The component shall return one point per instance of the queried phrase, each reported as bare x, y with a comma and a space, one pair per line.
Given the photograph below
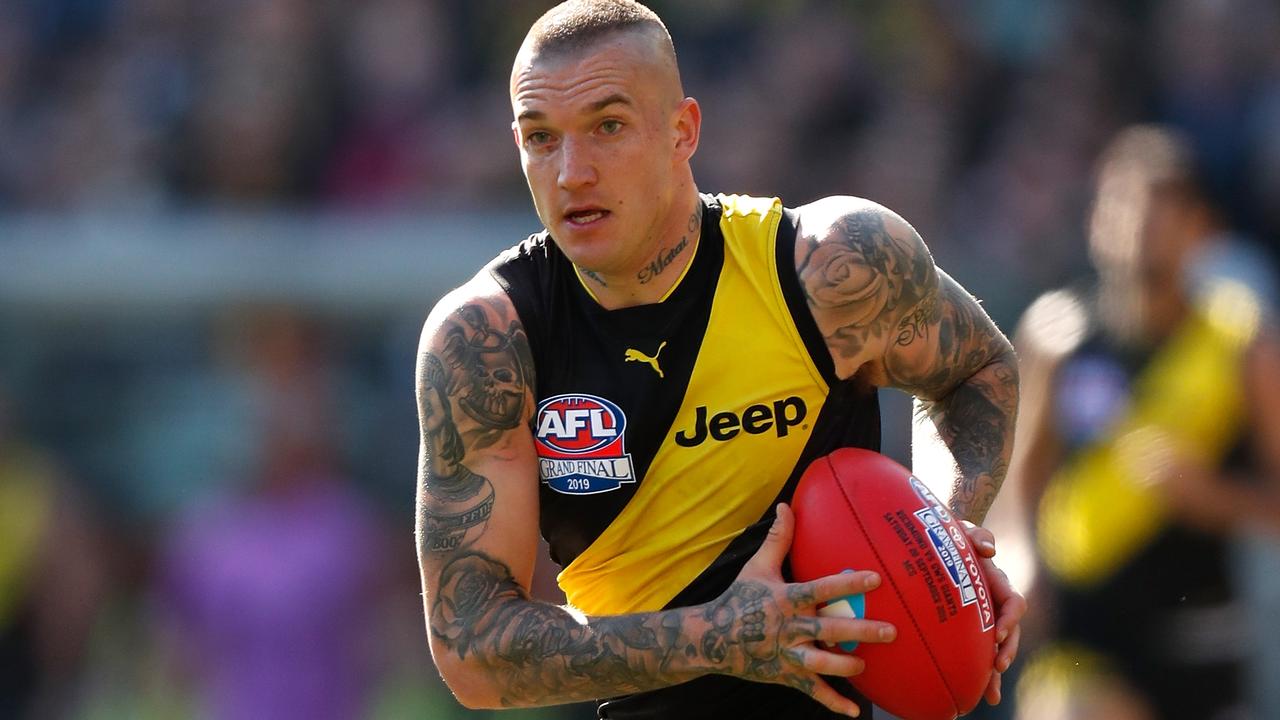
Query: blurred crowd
209, 514
979, 122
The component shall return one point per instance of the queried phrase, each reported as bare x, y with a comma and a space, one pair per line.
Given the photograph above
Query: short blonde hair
577, 24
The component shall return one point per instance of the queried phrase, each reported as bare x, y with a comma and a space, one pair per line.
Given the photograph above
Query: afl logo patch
579, 440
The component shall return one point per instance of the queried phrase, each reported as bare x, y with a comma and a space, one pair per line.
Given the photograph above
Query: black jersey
666, 433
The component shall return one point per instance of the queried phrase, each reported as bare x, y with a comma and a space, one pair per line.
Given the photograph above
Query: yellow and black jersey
666, 433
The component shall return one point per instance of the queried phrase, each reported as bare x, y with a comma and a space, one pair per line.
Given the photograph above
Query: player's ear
688, 128
515, 133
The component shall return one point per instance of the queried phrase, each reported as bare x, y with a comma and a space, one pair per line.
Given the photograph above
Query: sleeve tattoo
870, 286
540, 654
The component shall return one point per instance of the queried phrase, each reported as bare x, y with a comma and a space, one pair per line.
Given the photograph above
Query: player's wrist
687, 651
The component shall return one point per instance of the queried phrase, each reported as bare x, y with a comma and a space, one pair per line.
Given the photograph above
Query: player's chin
593, 248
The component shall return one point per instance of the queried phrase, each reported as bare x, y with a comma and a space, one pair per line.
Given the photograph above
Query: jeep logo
782, 416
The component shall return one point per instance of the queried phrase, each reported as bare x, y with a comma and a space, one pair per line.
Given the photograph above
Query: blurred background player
1151, 436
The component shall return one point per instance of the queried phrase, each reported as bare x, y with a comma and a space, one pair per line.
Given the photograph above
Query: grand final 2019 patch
580, 444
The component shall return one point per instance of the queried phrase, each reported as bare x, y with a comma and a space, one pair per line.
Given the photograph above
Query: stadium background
222, 223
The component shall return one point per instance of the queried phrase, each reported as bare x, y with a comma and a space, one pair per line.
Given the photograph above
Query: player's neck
657, 271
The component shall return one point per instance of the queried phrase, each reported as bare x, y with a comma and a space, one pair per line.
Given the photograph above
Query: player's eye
538, 138
611, 127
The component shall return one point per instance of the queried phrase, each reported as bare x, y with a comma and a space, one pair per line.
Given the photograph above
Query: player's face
597, 137
1169, 232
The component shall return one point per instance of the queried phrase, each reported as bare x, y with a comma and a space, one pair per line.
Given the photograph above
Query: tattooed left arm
891, 316
964, 375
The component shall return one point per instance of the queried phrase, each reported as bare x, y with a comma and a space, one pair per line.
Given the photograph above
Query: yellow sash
694, 500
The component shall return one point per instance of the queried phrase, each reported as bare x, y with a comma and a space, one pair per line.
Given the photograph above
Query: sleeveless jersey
667, 433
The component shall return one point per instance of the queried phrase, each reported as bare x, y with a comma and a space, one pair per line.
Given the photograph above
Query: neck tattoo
667, 255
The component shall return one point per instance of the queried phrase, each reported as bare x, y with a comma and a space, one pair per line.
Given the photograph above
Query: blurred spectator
394, 146
974, 122
273, 591
1150, 432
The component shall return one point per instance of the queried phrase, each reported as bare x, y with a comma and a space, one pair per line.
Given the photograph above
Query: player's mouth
585, 217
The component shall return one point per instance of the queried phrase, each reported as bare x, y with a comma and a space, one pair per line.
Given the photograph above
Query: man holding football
644, 382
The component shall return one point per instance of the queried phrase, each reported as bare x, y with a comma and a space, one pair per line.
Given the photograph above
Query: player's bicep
941, 342
477, 501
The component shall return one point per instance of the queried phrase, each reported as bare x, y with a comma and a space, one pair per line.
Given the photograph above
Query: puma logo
634, 355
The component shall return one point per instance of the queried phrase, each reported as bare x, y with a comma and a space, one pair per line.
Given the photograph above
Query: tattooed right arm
477, 510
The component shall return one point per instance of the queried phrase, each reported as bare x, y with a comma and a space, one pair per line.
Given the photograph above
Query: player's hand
1010, 606
767, 630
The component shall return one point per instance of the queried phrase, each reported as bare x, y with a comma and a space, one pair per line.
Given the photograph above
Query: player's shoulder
480, 304
538, 247
846, 242
841, 218
489, 291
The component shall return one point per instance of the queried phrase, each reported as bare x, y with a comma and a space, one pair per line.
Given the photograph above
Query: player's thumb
777, 543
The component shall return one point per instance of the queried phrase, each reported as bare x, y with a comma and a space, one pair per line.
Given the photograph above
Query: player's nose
577, 166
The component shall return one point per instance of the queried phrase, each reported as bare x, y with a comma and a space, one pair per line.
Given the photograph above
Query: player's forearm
976, 423
498, 648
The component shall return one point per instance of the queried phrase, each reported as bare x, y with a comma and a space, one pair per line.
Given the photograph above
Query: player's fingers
1012, 607
992, 693
833, 587
835, 630
1008, 649
768, 559
818, 689
825, 662
981, 538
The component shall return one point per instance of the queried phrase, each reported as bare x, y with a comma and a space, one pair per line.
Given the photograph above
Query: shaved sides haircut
577, 24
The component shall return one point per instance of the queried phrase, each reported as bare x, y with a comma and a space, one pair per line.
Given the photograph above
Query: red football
859, 510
